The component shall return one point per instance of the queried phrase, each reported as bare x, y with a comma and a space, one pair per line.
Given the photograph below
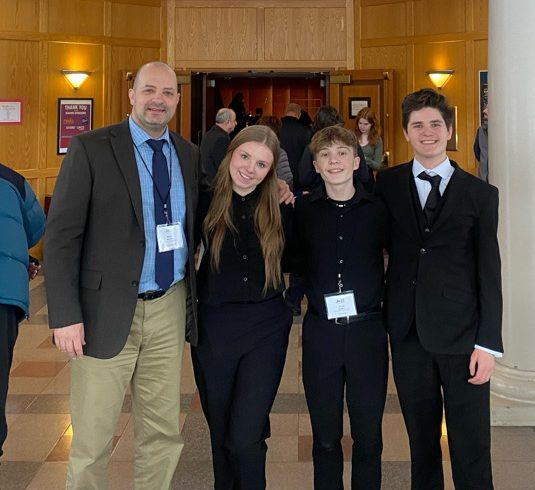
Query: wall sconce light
75, 78
440, 77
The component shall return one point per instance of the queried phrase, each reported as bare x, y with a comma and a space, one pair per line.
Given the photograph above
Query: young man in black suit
443, 299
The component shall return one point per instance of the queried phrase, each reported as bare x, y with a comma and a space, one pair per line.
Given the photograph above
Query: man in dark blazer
215, 142
294, 137
118, 284
443, 299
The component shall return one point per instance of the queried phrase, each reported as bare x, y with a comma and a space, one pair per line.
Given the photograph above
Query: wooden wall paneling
397, 58
281, 96
316, 34
441, 56
315, 96
50, 182
439, 17
481, 15
19, 15
20, 80
261, 95
123, 59
366, 3
298, 91
72, 56
215, 34
183, 116
225, 90
42, 133
135, 21
383, 21
79, 17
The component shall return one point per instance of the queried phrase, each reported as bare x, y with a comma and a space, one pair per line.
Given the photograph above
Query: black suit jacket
447, 281
213, 149
95, 242
294, 137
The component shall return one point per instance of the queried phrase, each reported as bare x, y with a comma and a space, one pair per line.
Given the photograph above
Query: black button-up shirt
241, 275
348, 239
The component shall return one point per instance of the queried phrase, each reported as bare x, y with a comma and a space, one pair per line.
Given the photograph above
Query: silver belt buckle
336, 322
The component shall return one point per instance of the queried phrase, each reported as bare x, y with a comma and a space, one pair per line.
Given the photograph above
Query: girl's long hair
375, 128
267, 216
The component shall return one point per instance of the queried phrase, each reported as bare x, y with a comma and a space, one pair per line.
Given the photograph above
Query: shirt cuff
490, 351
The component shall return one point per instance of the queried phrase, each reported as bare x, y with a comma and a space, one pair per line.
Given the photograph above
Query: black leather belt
345, 320
374, 313
150, 295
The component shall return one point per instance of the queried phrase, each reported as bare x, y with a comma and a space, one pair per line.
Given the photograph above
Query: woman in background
243, 320
368, 133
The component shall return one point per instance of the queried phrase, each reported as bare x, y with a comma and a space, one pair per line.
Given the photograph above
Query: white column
512, 170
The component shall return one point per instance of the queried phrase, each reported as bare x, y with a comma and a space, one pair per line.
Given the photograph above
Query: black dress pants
428, 383
353, 357
238, 366
9, 329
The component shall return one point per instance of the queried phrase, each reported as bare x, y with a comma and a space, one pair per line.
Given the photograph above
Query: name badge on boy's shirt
340, 304
170, 237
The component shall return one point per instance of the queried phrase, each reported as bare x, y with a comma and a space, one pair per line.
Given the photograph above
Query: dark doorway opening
267, 93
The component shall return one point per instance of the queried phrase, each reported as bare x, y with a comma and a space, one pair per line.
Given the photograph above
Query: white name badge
340, 304
170, 237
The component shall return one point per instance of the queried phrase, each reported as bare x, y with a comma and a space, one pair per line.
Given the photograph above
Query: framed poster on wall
356, 104
75, 116
10, 111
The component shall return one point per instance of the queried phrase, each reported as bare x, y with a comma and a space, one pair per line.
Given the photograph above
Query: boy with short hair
339, 235
443, 300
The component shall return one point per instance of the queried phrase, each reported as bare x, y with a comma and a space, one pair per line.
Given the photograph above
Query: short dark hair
326, 116
330, 135
426, 97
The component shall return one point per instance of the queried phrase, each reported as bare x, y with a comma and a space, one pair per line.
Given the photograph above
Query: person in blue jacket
22, 222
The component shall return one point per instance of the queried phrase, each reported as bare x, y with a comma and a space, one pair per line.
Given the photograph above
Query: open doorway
266, 93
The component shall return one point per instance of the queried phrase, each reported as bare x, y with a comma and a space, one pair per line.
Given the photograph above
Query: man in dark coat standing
443, 299
120, 276
294, 136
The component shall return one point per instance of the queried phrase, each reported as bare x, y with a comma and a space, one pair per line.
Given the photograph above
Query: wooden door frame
385, 80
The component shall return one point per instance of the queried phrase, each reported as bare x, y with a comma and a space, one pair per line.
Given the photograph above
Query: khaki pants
151, 362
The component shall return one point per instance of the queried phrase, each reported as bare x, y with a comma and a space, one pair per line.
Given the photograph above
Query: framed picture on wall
10, 111
356, 104
75, 116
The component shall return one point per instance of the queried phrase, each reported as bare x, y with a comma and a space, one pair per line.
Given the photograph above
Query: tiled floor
38, 414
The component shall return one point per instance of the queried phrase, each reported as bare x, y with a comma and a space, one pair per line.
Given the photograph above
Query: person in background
481, 146
22, 222
283, 166
338, 236
443, 298
326, 116
368, 133
294, 136
215, 142
120, 281
237, 104
305, 118
243, 320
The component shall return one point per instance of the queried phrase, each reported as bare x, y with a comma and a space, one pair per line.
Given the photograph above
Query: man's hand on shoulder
286, 196
481, 367
70, 339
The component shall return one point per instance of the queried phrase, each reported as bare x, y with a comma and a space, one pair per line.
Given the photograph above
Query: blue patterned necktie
164, 263
433, 197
